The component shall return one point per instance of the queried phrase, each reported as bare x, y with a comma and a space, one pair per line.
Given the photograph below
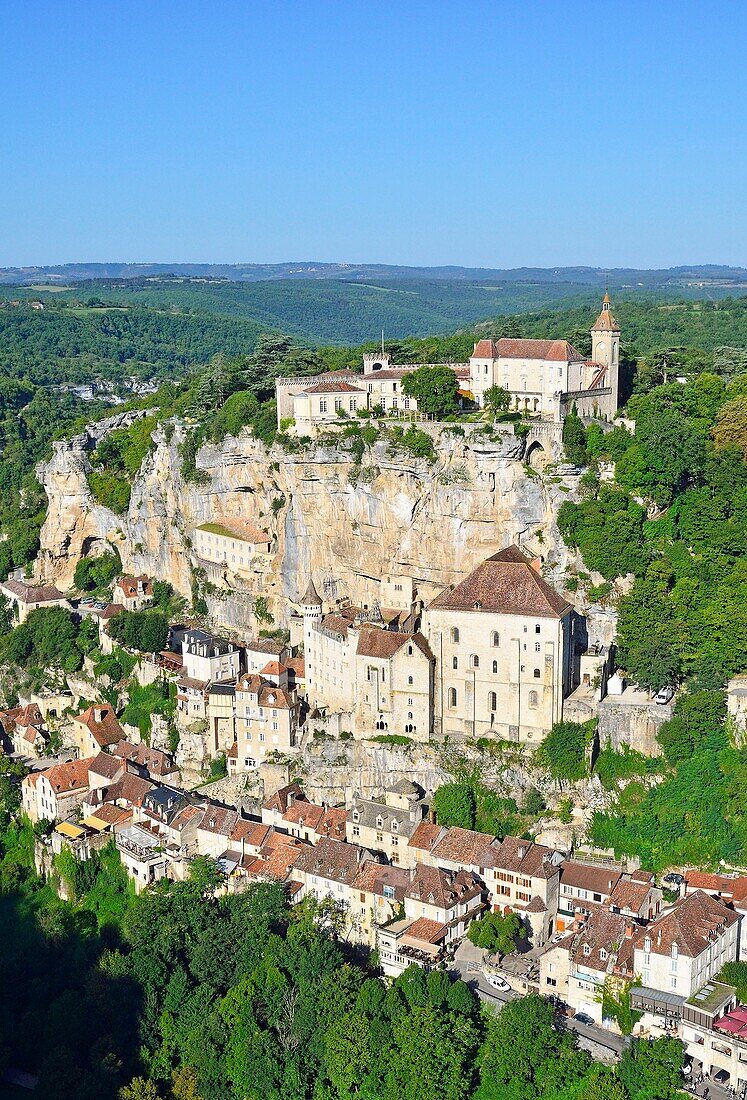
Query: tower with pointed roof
605, 345
311, 609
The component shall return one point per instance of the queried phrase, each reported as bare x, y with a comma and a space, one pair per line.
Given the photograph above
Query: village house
258, 652
310, 822
133, 593
326, 399
687, 945
327, 872
505, 646
56, 792
191, 699
377, 895
96, 728
25, 598
26, 730
207, 658
385, 825
588, 962
143, 854
268, 717
147, 762
231, 546
713, 1028
438, 907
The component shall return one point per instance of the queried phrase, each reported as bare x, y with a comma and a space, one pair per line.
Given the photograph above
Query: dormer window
477, 605
675, 951
356, 815
647, 944
602, 954
587, 949
395, 825
379, 822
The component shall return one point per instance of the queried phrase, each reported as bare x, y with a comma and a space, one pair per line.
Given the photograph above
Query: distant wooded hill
355, 306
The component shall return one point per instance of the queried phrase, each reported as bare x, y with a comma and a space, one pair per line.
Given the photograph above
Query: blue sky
494, 134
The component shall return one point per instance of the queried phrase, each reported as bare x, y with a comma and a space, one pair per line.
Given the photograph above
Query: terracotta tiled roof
372, 877
505, 584
253, 833
281, 799
331, 859
129, 586
463, 846
277, 862
297, 667
101, 722
28, 593
221, 820
334, 387
155, 761
556, 351
69, 777
598, 880
273, 668
269, 646
375, 642
426, 836
516, 854
690, 923
30, 715
333, 823
130, 788
105, 765
595, 943
335, 624
304, 813
441, 888
630, 896
606, 322
429, 931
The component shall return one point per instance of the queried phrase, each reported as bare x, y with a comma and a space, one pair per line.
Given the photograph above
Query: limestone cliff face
345, 524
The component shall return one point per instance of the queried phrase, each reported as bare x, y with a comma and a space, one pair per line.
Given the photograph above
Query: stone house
578, 967
385, 825
56, 792
394, 674
133, 593
231, 546
96, 728
505, 645
29, 734
25, 598
268, 717
206, 657
687, 945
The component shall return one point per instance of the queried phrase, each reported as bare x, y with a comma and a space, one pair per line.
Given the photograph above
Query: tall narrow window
452, 697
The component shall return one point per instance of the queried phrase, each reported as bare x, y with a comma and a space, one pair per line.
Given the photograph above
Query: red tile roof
505, 584
429, 931
690, 923
556, 351
64, 778
102, 724
129, 586
426, 836
375, 642
334, 387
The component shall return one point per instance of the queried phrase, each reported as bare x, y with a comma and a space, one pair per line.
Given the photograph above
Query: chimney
98, 714
536, 565
628, 931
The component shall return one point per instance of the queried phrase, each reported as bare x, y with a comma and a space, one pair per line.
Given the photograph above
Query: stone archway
536, 456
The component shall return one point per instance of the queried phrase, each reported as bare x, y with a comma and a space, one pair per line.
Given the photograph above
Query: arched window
537, 647
495, 638
474, 661
537, 674
409, 651
410, 680
452, 697
492, 702
495, 666
409, 714
455, 662
455, 633
533, 699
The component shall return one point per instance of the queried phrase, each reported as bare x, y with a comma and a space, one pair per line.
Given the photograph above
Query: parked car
664, 695
673, 879
498, 983
584, 1018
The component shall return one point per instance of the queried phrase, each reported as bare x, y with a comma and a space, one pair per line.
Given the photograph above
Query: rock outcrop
347, 524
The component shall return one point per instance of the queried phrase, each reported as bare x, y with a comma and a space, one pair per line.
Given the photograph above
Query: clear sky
492, 133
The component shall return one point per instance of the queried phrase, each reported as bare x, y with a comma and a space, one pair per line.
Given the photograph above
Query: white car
498, 983
665, 695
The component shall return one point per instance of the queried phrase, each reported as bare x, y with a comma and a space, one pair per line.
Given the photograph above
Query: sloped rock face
346, 524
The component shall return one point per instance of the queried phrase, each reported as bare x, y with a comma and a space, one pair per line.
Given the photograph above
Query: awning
420, 945
68, 829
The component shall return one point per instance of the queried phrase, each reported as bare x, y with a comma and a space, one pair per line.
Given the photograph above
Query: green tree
498, 933
574, 439
652, 1070
496, 399
434, 388
454, 804
564, 750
